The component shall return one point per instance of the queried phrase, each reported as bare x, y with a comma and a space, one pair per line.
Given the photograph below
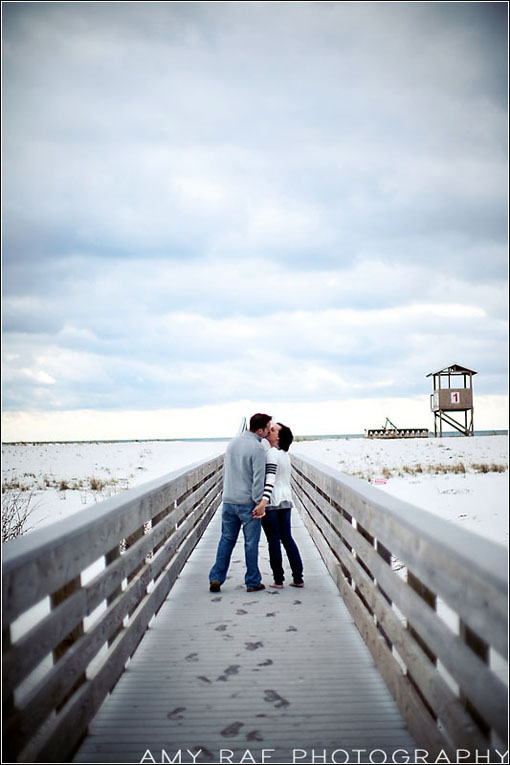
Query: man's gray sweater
244, 470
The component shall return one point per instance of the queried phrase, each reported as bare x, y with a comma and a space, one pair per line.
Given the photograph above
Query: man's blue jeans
233, 518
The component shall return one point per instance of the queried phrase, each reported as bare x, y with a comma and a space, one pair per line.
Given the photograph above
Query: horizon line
450, 433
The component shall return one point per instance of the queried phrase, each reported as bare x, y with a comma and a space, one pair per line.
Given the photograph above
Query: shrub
438, 469
16, 509
96, 484
485, 468
14, 485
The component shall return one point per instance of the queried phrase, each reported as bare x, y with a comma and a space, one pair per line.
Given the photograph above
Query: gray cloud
192, 190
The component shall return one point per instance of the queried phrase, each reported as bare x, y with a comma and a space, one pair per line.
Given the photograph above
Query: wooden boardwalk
284, 671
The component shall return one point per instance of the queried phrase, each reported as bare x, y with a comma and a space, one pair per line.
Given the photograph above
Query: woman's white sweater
277, 484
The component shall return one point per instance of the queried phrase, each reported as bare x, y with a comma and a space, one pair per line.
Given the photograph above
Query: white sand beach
64, 478
464, 480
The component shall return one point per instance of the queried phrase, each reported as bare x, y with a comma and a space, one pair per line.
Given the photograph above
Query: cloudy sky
214, 208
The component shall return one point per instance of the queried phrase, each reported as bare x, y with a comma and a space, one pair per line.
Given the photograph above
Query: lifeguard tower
452, 392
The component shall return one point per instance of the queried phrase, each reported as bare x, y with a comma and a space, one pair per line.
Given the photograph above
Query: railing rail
86, 589
429, 598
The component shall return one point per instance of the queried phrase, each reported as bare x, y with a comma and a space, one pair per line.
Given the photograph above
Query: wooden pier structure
114, 650
389, 430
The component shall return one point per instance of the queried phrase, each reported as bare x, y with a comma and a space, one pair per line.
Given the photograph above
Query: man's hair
285, 437
259, 421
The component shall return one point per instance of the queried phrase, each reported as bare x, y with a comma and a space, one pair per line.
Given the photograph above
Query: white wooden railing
430, 600
78, 597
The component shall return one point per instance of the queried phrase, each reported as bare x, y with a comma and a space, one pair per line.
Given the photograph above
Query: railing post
8, 705
371, 540
430, 599
481, 649
110, 558
385, 554
11, 735
75, 634
130, 541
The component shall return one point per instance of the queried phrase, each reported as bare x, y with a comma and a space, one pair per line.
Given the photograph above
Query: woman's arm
271, 470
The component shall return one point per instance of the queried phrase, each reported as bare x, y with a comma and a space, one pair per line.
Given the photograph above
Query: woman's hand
260, 510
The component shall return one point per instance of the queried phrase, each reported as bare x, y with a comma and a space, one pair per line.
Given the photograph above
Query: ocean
317, 437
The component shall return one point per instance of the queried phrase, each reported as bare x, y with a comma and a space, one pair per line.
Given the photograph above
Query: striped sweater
277, 482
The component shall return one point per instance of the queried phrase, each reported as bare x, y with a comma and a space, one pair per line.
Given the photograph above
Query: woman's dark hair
285, 437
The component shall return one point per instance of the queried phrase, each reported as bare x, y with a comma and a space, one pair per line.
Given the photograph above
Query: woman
277, 501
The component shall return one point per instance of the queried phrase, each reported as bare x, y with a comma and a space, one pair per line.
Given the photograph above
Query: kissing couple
257, 494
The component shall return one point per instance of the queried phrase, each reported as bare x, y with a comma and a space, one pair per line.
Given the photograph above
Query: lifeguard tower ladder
448, 396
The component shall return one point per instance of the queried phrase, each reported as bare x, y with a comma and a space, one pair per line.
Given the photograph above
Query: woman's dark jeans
276, 525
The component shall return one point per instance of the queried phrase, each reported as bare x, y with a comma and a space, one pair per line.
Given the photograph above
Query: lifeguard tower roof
453, 369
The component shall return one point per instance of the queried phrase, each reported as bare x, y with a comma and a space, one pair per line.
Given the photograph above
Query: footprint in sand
274, 698
175, 714
232, 730
254, 646
232, 670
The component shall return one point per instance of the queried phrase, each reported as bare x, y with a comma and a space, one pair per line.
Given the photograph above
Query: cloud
185, 358
209, 201
278, 110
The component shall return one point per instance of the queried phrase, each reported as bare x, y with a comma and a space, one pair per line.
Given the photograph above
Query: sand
442, 475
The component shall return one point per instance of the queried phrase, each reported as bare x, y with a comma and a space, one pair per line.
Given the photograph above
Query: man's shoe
297, 584
214, 586
256, 589
278, 586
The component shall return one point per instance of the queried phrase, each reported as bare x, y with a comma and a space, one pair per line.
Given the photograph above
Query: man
243, 486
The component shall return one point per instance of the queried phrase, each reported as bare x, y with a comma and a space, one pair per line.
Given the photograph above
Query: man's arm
258, 462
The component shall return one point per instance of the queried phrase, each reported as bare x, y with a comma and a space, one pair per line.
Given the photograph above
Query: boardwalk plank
278, 669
